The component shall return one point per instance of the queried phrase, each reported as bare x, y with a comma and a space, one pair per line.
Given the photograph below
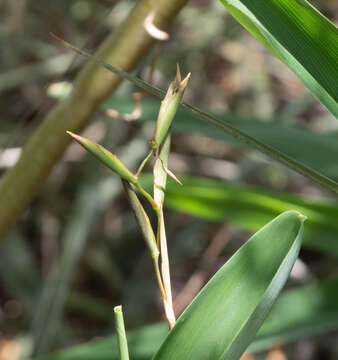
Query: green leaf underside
250, 208
300, 36
225, 316
295, 142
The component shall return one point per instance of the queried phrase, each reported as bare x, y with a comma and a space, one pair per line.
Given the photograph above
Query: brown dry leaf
9, 349
276, 354
247, 356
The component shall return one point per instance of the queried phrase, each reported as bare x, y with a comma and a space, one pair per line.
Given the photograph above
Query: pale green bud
169, 108
106, 157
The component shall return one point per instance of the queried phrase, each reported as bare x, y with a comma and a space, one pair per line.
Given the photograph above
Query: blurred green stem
124, 48
121, 333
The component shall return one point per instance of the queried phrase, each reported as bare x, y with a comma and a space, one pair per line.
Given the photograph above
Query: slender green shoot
161, 149
121, 333
147, 231
139, 170
142, 219
147, 196
160, 181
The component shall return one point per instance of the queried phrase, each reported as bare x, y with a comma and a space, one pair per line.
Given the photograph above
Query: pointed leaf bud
169, 108
106, 157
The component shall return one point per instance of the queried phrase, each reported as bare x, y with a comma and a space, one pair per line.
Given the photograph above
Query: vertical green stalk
161, 149
147, 231
121, 333
160, 180
161, 146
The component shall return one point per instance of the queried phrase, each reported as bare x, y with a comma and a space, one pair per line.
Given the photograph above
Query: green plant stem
241, 136
165, 270
121, 333
125, 47
147, 196
147, 232
159, 277
142, 219
139, 170
160, 180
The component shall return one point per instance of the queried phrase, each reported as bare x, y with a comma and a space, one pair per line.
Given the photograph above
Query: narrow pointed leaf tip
169, 108
106, 157
225, 316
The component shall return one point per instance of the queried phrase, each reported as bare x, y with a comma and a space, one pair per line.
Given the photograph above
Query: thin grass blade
251, 141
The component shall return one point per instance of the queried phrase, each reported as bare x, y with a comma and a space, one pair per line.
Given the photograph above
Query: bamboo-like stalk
124, 48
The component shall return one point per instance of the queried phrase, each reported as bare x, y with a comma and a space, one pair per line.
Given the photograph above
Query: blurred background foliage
77, 252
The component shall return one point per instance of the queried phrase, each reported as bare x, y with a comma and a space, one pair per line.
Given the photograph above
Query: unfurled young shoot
169, 107
106, 157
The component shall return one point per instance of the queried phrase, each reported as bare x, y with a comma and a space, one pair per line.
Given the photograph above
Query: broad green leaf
298, 313
296, 142
223, 126
250, 208
225, 316
300, 36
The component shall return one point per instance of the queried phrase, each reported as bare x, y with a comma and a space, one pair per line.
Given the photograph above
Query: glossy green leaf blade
300, 36
298, 313
250, 208
225, 316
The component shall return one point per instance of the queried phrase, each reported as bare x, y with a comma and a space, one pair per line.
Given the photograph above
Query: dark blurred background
81, 212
